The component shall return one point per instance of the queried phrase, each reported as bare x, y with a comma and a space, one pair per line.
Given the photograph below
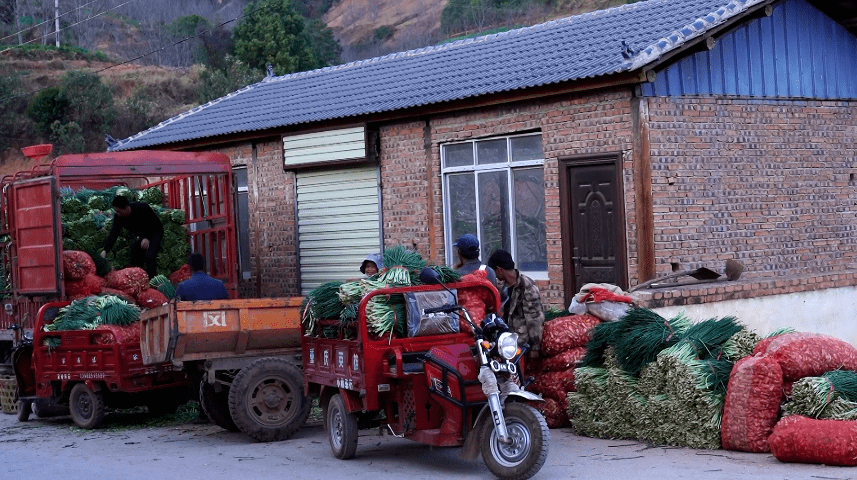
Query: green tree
273, 32
325, 47
46, 107
233, 76
89, 106
12, 103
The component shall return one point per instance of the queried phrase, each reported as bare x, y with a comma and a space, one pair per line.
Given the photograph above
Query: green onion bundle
601, 337
324, 300
385, 316
351, 292
115, 311
80, 314
158, 280
168, 289
399, 262
830, 396
702, 339
642, 335
740, 345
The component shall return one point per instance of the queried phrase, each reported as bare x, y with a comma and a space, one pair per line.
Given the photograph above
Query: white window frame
509, 167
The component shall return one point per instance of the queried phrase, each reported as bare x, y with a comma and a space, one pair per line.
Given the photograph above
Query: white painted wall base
831, 312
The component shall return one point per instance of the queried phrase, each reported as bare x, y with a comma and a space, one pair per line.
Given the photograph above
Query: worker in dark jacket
523, 310
467, 247
139, 219
200, 286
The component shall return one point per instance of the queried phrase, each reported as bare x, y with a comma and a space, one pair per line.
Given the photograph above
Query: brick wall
771, 183
273, 247
412, 190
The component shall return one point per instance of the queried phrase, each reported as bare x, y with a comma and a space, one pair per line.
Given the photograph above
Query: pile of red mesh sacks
130, 284
563, 346
758, 385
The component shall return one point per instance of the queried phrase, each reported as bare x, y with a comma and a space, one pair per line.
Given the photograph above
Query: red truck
93, 369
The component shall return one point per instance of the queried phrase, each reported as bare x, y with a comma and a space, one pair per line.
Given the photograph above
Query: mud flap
470, 450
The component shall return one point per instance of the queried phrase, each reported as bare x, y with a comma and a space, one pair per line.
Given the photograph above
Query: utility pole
57, 20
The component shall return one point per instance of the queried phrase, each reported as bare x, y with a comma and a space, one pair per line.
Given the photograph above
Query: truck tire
216, 406
25, 408
87, 407
341, 429
267, 399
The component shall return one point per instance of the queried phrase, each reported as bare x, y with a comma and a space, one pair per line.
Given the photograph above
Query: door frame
566, 163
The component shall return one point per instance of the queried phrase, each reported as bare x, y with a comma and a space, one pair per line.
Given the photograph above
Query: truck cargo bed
189, 331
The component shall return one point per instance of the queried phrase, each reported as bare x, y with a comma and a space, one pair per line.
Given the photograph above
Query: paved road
53, 448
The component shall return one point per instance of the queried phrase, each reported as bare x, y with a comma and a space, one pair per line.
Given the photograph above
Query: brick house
615, 146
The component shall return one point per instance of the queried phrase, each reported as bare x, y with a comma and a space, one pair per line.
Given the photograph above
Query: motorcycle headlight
507, 345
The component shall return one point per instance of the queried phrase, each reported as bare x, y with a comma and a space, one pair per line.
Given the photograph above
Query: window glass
462, 204
491, 151
500, 198
530, 219
494, 211
458, 155
526, 148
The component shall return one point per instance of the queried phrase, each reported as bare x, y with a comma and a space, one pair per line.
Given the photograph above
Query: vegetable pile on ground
658, 380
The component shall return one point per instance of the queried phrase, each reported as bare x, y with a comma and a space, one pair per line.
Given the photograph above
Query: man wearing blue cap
468, 257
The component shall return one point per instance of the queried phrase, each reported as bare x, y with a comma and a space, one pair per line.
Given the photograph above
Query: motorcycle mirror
429, 276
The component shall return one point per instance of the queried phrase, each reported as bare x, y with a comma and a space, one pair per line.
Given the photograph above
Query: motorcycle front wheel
524, 456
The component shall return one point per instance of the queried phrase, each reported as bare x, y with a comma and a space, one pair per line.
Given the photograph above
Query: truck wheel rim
336, 429
515, 452
271, 402
84, 406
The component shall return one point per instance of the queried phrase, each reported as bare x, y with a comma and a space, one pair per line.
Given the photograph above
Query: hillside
364, 28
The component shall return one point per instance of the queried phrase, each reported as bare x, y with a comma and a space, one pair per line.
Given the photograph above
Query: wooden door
593, 223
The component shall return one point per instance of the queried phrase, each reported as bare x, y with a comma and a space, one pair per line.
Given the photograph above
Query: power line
257, 9
46, 21
72, 25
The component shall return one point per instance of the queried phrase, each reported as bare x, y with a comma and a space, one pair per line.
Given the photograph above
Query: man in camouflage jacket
523, 309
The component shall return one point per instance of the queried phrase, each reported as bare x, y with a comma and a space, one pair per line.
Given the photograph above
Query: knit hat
374, 258
502, 259
468, 245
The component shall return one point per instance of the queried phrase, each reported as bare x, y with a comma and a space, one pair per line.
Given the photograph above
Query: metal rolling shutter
338, 223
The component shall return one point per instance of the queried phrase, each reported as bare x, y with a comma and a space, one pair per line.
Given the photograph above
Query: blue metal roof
603, 42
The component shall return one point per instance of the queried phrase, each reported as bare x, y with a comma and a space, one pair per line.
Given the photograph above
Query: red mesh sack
563, 333
131, 280
77, 264
118, 293
477, 301
555, 413
553, 384
151, 298
110, 334
564, 360
180, 275
88, 285
811, 354
765, 344
808, 440
753, 397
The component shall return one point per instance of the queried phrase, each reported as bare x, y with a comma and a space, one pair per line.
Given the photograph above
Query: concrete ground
55, 448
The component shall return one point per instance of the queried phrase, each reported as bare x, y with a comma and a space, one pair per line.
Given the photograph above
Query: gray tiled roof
571, 48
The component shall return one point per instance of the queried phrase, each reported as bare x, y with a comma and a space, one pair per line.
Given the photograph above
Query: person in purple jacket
200, 286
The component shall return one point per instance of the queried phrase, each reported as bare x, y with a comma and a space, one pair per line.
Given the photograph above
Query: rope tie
830, 391
672, 333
